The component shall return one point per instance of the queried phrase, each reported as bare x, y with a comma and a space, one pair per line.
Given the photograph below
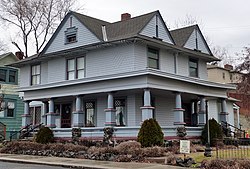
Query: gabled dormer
156, 28
191, 37
75, 30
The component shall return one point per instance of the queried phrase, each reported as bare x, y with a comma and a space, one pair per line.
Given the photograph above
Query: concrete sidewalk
81, 163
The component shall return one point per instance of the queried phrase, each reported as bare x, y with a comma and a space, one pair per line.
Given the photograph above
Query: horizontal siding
164, 110
166, 61
101, 106
25, 76
140, 53
138, 105
213, 109
84, 37
203, 70
44, 73
131, 115
183, 65
110, 61
230, 113
56, 70
150, 30
191, 43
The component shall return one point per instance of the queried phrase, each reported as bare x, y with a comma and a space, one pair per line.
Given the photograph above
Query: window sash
76, 68
3, 74
153, 58
35, 74
12, 76
193, 68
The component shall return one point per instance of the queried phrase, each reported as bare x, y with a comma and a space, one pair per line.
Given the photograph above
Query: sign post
184, 147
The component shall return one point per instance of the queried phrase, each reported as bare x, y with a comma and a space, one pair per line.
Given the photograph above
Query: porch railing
2, 131
237, 133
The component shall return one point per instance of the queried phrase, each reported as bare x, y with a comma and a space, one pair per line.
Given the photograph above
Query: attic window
71, 35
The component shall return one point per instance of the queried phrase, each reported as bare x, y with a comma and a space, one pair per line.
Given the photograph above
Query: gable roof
128, 28
8, 54
93, 24
181, 35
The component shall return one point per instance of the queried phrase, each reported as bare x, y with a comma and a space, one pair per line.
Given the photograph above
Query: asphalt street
7, 165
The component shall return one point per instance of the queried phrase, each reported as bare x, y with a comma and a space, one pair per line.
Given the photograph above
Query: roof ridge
77, 13
186, 27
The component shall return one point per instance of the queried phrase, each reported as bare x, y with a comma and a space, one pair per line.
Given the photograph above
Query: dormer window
71, 35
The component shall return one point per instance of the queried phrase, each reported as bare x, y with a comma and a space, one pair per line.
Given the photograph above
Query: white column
178, 111
78, 114
147, 109
224, 112
26, 117
51, 115
202, 112
45, 111
110, 111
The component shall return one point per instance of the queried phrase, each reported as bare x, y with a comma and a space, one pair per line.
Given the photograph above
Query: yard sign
185, 146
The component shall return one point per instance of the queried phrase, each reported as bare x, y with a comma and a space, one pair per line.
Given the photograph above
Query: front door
66, 116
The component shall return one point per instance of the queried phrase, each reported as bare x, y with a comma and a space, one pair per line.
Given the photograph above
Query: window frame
76, 70
69, 33
7, 75
94, 113
5, 111
151, 58
196, 61
35, 75
125, 111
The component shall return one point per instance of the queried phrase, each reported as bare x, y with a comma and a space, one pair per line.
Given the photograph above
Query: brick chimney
125, 16
229, 67
19, 55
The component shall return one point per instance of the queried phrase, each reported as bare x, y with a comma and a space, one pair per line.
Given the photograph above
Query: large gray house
93, 74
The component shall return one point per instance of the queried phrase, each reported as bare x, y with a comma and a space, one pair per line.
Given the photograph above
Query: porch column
51, 115
147, 109
224, 112
202, 112
45, 111
178, 111
78, 114
110, 111
26, 117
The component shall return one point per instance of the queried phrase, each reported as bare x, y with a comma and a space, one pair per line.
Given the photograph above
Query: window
120, 106
35, 74
8, 108
193, 67
8, 75
90, 114
71, 35
75, 68
35, 113
153, 58
223, 75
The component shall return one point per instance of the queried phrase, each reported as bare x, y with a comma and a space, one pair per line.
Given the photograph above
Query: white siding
166, 61
202, 70
213, 109
57, 70
138, 105
101, 105
25, 76
164, 110
191, 42
150, 30
183, 65
230, 112
84, 37
140, 52
131, 115
110, 61
44, 73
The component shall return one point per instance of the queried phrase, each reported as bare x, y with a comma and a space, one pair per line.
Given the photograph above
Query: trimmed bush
45, 136
150, 134
215, 131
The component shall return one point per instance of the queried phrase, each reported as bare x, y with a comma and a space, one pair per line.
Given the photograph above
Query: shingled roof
181, 35
93, 24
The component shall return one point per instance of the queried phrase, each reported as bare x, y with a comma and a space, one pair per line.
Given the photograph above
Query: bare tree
222, 54
187, 21
35, 19
3, 47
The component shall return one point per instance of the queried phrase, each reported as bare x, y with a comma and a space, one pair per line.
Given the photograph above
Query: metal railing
237, 133
2, 131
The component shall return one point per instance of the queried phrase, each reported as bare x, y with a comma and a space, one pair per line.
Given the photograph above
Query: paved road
7, 165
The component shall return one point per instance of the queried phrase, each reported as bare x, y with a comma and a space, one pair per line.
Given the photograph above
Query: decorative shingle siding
150, 30
84, 37
191, 42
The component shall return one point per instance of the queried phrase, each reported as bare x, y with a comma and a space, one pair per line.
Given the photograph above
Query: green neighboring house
11, 106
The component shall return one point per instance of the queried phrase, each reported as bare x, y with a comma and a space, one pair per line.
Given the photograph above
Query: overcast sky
225, 22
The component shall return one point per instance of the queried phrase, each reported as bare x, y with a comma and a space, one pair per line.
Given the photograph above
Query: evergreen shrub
45, 136
215, 131
150, 134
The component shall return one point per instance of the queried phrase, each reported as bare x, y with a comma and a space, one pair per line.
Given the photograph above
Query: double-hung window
35, 74
75, 68
8, 108
8, 75
193, 67
120, 107
153, 58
